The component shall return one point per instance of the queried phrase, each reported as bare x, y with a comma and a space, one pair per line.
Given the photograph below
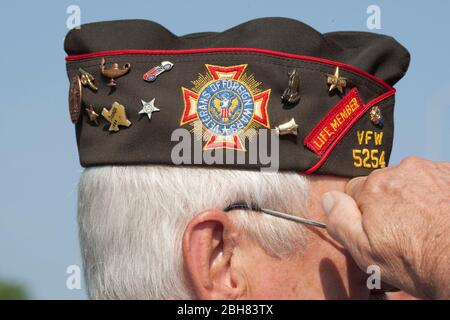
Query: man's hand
399, 219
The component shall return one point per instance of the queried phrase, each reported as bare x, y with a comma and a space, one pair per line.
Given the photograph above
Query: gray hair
132, 220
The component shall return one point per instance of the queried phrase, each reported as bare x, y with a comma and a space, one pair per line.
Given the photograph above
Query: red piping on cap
217, 50
318, 164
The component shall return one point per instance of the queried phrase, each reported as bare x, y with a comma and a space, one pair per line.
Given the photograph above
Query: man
141, 241
147, 243
154, 203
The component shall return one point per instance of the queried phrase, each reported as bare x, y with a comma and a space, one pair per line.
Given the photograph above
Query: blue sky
39, 162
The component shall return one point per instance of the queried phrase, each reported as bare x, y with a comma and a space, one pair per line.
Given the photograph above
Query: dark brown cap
328, 97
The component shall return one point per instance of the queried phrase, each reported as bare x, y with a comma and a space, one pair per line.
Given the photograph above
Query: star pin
92, 115
148, 108
116, 116
336, 82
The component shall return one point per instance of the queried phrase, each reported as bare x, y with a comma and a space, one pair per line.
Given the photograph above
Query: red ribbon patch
335, 123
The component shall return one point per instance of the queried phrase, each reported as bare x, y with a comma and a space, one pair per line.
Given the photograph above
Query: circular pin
376, 116
75, 95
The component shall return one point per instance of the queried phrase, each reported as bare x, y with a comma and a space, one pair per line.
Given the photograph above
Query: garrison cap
329, 97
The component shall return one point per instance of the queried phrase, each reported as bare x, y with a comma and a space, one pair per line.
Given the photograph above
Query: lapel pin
376, 116
292, 93
154, 72
114, 71
92, 115
116, 116
336, 81
87, 79
148, 108
286, 128
75, 98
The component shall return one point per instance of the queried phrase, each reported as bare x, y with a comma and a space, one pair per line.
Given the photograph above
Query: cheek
323, 271
351, 278
328, 272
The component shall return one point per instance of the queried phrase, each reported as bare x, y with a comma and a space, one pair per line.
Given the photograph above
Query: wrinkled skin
398, 218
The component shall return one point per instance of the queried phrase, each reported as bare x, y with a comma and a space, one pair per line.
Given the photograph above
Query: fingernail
327, 202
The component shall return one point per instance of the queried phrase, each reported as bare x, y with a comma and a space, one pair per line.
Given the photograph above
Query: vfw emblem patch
227, 102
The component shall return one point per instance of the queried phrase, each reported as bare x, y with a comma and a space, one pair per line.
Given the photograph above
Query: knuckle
443, 165
355, 186
413, 161
374, 181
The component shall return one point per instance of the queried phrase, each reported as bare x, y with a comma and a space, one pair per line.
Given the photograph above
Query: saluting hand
399, 219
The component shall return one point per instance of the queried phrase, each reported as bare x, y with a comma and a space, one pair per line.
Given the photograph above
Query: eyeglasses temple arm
243, 206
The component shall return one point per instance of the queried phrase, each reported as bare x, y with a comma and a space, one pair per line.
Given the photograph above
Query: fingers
345, 222
354, 186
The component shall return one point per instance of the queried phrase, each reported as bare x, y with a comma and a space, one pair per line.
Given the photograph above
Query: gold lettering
328, 131
354, 104
368, 158
348, 110
320, 143
378, 138
360, 135
368, 136
334, 124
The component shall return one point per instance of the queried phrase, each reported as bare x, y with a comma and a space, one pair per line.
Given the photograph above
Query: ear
210, 260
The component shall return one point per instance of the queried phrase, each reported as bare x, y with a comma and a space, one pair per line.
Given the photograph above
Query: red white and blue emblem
154, 72
227, 102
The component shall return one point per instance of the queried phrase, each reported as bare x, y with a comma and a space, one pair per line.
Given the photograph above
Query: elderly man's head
162, 233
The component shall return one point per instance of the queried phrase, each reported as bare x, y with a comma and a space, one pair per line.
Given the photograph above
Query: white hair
132, 220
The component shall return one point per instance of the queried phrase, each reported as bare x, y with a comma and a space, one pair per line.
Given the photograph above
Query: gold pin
87, 79
114, 71
92, 114
376, 116
336, 82
116, 116
75, 99
289, 127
